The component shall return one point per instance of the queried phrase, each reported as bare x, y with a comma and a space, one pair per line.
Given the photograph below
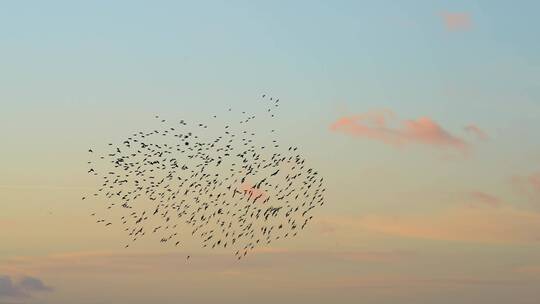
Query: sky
421, 115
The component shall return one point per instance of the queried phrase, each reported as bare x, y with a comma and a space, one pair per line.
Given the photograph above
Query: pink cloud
478, 225
379, 126
493, 225
476, 131
456, 21
528, 185
253, 192
528, 269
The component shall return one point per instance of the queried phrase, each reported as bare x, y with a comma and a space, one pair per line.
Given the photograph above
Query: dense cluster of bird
230, 188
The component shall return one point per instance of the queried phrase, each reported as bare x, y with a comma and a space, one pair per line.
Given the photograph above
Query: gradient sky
422, 115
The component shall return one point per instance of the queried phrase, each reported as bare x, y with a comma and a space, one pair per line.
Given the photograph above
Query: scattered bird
230, 190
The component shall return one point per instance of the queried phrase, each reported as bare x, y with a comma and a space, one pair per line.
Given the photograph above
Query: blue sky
76, 74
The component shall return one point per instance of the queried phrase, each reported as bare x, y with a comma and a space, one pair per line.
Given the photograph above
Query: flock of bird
230, 188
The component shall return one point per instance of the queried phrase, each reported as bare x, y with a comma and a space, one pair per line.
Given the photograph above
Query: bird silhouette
225, 186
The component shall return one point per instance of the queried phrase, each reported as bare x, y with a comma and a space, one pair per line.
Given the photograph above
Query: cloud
528, 185
484, 199
253, 192
341, 255
456, 21
491, 225
415, 281
324, 226
23, 288
33, 284
271, 268
200, 263
482, 224
9, 289
379, 126
534, 269
476, 131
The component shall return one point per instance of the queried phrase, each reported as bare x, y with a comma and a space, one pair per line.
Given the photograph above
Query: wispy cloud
476, 132
324, 226
528, 185
533, 270
456, 21
483, 224
483, 199
416, 281
119, 262
383, 126
498, 225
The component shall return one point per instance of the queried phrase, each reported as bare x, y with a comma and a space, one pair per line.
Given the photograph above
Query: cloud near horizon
273, 267
147, 262
23, 288
380, 126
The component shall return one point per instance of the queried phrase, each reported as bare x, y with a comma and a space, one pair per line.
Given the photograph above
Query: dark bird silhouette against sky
233, 188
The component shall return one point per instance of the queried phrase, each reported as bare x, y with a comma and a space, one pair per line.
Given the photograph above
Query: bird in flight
230, 186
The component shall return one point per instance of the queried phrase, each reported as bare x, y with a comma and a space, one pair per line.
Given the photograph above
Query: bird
221, 187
